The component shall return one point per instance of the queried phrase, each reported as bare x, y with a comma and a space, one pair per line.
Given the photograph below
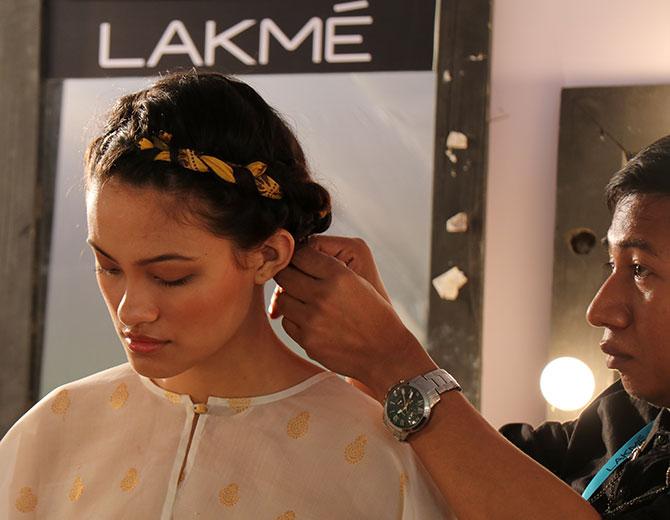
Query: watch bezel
401, 432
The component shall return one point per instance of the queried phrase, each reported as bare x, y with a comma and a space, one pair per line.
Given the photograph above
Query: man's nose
609, 307
136, 307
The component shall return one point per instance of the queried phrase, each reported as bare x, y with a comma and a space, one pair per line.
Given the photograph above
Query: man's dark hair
647, 172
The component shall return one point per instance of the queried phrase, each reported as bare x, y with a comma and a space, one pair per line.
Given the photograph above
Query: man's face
633, 304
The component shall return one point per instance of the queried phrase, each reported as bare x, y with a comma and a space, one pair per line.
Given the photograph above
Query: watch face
405, 406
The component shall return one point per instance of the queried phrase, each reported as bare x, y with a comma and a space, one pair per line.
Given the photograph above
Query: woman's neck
253, 362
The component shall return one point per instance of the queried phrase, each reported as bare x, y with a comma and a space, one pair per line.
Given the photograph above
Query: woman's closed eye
109, 271
174, 283
115, 271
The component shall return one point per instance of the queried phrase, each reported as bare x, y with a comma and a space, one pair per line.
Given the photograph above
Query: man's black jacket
575, 451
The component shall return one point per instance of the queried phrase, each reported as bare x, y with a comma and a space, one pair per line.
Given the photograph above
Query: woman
197, 195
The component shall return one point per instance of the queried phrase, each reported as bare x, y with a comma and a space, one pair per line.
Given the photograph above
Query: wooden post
20, 36
463, 68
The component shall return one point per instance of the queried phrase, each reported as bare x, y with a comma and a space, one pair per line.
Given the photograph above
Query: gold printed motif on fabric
289, 515
172, 397
401, 496
229, 495
268, 187
61, 403
298, 426
26, 502
76, 490
239, 404
189, 160
193, 161
403, 482
119, 396
130, 480
355, 451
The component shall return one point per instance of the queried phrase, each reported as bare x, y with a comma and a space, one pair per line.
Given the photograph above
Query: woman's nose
609, 307
136, 308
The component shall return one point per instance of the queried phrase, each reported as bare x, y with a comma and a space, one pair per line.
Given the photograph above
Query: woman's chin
150, 368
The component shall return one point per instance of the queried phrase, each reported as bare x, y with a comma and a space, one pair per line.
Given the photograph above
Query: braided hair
219, 116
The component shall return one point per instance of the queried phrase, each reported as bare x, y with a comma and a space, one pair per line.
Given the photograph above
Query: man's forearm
480, 473
483, 475
334, 308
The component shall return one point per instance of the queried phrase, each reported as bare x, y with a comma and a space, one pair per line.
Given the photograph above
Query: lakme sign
126, 38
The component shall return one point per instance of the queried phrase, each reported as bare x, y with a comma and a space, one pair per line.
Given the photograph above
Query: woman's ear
274, 255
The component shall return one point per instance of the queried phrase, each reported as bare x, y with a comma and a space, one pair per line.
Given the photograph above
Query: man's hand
335, 306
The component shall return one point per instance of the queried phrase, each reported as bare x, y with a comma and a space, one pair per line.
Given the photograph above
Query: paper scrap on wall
458, 223
457, 141
449, 284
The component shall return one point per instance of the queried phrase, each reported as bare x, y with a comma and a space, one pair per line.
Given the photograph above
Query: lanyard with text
616, 460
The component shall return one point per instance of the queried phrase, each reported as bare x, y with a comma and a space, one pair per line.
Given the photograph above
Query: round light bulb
567, 383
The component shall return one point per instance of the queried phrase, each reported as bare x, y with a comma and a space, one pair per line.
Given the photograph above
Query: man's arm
335, 311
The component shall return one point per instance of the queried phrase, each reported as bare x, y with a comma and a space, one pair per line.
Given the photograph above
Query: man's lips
616, 357
144, 344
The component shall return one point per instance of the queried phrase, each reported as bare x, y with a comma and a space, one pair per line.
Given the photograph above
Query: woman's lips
144, 344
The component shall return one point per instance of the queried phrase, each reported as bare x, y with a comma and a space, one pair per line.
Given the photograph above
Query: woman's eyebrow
145, 261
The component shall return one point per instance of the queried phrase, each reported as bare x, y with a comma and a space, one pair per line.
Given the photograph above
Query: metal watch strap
430, 386
435, 383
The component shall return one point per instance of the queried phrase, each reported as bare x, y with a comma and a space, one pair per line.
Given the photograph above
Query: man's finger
289, 307
272, 307
352, 252
292, 330
315, 263
297, 283
329, 244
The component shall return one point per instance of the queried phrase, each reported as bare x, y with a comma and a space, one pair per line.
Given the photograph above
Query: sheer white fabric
112, 446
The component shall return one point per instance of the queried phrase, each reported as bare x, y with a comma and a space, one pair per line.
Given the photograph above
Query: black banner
96, 38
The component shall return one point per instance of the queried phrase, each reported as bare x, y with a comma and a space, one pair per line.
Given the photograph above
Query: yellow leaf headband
191, 160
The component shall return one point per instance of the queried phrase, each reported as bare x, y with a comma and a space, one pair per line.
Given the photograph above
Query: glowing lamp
567, 383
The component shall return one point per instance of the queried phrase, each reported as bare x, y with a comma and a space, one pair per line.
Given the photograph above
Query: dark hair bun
308, 204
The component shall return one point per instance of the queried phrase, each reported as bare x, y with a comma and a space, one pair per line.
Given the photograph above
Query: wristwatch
408, 404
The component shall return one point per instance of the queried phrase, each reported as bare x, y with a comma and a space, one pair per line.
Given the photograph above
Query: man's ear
273, 255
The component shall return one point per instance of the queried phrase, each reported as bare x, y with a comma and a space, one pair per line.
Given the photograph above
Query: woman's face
175, 292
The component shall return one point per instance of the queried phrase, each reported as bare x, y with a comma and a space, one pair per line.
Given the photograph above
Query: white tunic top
112, 446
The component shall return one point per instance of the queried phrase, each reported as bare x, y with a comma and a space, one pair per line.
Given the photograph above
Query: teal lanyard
616, 460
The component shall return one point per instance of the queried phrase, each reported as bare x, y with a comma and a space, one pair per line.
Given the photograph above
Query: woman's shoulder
346, 432
104, 377
90, 385
333, 400
332, 387
59, 401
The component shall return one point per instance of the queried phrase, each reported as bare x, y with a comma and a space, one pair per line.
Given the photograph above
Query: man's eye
608, 268
639, 271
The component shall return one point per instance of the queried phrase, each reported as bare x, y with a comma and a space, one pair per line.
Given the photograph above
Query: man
335, 306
